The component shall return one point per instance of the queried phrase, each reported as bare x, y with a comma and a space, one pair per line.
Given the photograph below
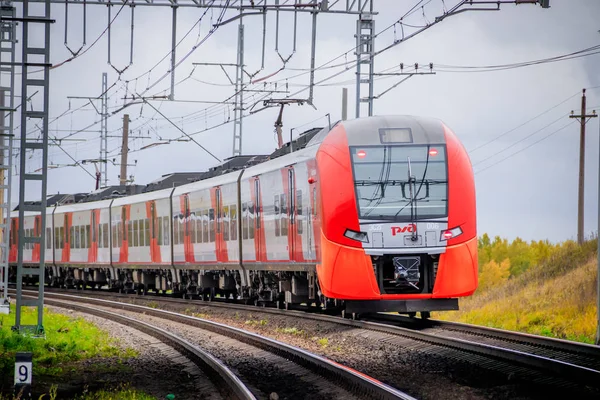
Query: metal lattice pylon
35, 78
365, 31
7, 79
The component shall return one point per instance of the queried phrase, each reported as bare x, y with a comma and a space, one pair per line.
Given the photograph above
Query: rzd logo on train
401, 229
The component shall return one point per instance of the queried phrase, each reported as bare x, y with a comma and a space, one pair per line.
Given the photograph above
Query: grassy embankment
541, 289
68, 341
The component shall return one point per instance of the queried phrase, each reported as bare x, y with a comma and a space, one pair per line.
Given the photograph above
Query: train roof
367, 131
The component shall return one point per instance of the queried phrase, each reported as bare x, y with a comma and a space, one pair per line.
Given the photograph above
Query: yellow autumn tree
494, 274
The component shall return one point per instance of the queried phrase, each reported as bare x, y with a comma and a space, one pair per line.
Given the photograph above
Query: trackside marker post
23, 374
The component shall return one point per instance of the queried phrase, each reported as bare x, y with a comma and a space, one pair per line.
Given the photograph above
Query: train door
153, 245
258, 237
220, 245
188, 248
310, 215
292, 214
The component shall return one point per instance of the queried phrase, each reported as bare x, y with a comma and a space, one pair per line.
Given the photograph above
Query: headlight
450, 233
360, 236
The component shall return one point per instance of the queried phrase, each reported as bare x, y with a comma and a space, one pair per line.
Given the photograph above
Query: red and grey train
373, 214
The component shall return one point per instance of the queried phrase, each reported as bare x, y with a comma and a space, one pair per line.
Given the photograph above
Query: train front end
398, 216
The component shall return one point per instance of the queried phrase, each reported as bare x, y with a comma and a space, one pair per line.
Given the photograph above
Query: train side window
198, 223
233, 222
175, 230
205, 237
75, 237
277, 215
87, 237
105, 234
299, 218
167, 234
100, 242
211, 218
48, 238
129, 233
251, 216
62, 235
181, 231
136, 232
147, 224
160, 231
226, 223
56, 238
244, 221
284, 213
193, 229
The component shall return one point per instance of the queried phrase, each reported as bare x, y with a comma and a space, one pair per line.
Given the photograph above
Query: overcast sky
532, 194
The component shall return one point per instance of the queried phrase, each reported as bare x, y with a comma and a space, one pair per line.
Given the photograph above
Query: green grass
124, 392
68, 339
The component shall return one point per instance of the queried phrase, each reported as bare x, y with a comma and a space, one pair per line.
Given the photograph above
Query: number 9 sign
23, 369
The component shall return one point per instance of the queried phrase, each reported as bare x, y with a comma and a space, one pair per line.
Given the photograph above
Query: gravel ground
268, 375
158, 369
409, 366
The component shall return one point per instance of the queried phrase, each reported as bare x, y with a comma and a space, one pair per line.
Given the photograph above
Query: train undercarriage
281, 289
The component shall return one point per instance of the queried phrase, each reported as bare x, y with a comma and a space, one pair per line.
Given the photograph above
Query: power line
521, 125
522, 140
524, 148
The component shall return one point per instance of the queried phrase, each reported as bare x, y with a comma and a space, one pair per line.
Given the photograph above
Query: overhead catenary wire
525, 148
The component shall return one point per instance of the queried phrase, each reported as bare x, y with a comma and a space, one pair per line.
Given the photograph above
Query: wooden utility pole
124, 150
583, 119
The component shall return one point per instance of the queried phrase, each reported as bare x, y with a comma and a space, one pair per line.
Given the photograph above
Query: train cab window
87, 237
211, 224
147, 232
226, 223
233, 222
299, 217
284, 213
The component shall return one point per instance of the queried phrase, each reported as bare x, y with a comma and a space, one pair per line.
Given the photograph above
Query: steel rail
230, 386
519, 337
354, 381
561, 369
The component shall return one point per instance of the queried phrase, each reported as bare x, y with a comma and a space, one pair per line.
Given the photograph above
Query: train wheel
425, 315
412, 314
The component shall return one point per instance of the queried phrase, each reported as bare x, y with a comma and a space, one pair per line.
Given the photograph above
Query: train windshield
402, 183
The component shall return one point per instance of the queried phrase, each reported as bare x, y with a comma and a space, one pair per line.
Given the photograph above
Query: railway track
552, 363
336, 379
225, 382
